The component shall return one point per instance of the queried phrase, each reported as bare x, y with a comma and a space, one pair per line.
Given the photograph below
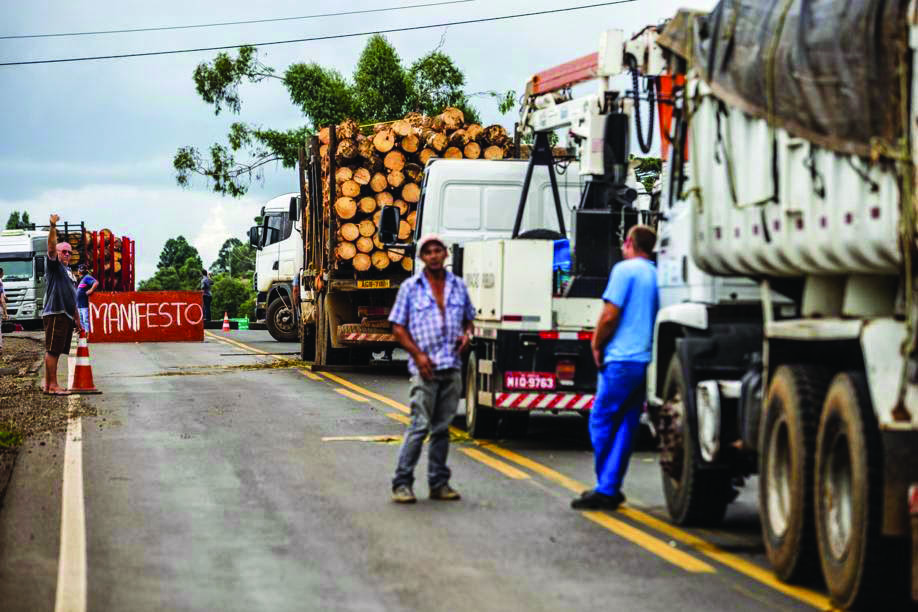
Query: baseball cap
427, 239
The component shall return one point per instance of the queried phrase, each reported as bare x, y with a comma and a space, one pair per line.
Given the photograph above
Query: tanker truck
786, 341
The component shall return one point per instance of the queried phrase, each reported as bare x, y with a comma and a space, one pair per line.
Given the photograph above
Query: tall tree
235, 259
381, 89
175, 253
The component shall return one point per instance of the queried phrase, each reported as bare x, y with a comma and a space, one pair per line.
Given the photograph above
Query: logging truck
349, 277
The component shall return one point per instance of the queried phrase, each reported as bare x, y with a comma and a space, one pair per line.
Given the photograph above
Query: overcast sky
94, 141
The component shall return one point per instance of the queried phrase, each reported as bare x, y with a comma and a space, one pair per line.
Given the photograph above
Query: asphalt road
212, 480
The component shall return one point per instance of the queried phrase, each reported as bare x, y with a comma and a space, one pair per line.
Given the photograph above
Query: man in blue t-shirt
622, 344
86, 287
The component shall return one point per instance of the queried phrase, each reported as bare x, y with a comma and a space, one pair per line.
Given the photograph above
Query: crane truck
785, 345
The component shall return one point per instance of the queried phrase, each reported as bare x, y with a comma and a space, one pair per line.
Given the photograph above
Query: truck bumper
538, 401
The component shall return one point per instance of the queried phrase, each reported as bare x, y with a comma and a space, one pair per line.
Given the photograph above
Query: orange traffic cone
226, 326
82, 373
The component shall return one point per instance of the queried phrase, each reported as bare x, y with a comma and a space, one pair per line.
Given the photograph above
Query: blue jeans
433, 406
614, 421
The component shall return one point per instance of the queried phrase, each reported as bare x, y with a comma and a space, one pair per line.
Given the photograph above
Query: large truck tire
281, 321
695, 495
480, 421
787, 445
848, 491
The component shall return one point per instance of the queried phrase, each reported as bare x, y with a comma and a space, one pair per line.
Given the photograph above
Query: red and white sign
544, 401
146, 316
529, 380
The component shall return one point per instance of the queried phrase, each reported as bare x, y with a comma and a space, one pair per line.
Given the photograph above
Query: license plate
373, 284
534, 381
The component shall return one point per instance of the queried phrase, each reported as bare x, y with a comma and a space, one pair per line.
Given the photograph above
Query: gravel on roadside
24, 409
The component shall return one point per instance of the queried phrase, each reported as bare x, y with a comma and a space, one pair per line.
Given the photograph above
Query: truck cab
22, 257
278, 259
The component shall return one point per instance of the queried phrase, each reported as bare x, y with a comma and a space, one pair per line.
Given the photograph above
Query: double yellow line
653, 544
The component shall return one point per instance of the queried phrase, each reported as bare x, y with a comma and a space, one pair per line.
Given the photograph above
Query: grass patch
9, 439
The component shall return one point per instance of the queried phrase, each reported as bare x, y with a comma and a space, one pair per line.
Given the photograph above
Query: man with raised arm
59, 315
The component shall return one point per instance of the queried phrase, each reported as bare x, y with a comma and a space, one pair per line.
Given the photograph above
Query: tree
230, 294
175, 252
381, 90
235, 258
17, 219
179, 268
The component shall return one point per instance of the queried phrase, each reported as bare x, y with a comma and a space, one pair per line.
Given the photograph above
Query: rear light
548, 335
565, 370
585, 335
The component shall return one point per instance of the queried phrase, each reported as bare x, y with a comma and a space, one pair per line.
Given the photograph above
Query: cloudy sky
94, 140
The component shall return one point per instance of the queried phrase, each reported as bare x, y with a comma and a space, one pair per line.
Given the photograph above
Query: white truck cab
22, 257
278, 259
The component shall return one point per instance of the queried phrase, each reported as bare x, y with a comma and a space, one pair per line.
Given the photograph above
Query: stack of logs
383, 168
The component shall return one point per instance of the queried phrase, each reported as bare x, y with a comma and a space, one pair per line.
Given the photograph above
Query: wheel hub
779, 478
837, 497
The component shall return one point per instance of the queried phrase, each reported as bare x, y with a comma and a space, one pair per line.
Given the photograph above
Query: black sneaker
445, 493
594, 500
402, 494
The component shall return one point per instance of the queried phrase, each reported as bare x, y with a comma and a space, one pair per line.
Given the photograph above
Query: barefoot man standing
60, 312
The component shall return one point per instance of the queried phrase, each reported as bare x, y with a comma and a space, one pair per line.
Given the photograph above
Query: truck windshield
16, 269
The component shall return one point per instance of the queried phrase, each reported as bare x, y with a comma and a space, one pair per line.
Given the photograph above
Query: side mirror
255, 236
40, 266
388, 224
294, 208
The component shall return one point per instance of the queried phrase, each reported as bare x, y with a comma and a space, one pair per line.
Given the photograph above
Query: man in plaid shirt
432, 320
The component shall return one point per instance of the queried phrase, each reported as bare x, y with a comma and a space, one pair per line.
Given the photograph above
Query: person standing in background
206, 284
86, 287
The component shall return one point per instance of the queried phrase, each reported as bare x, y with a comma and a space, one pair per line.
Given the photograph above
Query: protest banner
147, 316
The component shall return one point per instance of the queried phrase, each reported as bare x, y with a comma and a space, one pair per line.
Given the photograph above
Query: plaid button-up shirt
435, 333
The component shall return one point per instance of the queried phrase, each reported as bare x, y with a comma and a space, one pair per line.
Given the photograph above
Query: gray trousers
433, 406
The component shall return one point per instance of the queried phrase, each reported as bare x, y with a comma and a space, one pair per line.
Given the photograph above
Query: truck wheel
307, 335
480, 421
787, 443
281, 321
695, 495
849, 489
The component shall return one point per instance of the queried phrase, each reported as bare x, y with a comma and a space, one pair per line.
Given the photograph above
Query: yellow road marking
310, 375
756, 572
546, 472
401, 418
238, 344
354, 396
648, 542
504, 468
749, 569
383, 438
382, 398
